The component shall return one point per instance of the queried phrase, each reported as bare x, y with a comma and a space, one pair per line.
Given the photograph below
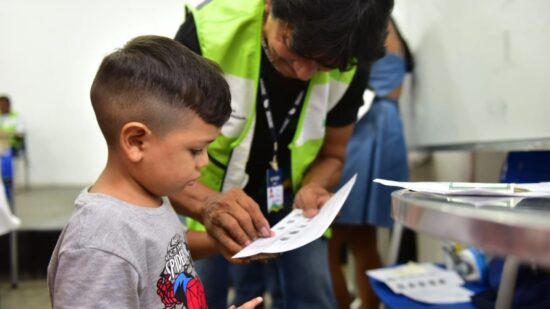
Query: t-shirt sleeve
187, 34
91, 278
345, 111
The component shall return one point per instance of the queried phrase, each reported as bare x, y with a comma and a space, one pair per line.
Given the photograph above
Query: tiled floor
29, 294
45, 208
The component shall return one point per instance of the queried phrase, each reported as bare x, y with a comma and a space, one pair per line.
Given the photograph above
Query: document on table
295, 230
424, 282
495, 201
474, 188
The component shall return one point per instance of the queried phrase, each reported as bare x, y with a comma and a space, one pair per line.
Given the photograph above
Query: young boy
158, 106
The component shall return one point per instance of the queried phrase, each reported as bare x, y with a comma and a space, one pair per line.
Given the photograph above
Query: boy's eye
197, 152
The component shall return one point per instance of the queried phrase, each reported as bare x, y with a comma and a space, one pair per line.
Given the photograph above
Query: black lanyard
271, 125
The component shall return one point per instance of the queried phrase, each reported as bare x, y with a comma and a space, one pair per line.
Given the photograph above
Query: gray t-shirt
113, 254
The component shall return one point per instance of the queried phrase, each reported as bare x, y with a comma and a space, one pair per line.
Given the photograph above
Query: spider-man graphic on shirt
179, 285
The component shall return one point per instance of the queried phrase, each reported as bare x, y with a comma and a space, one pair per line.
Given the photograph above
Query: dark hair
5, 98
336, 33
154, 79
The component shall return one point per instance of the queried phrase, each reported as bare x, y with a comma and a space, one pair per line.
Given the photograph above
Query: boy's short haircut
160, 83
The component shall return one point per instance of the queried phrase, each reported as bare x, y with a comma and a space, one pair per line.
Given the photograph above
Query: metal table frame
521, 235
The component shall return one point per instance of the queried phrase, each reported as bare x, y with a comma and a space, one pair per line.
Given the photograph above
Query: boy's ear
133, 137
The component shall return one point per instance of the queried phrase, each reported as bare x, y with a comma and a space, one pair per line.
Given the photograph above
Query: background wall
463, 89
481, 70
50, 50
49, 53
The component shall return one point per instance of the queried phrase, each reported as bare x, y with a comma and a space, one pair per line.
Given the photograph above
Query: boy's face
173, 161
4, 106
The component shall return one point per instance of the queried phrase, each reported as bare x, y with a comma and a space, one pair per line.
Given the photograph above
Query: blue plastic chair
526, 166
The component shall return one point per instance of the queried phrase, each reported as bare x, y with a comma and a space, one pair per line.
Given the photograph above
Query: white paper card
295, 230
449, 295
424, 282
473, 188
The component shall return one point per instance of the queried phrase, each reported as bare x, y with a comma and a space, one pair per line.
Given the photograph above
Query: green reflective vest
230, 33
9, 124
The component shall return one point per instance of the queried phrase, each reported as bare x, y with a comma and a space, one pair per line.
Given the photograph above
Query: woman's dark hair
336, 33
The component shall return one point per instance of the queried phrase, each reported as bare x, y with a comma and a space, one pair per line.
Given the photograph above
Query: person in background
297, 72
377, 149
11, 124
158, 106
12, 134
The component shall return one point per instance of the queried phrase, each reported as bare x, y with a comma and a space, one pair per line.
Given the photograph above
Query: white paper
8, 222
473, 188
424, 282
295, 230
414, 276
479, 201
448, 295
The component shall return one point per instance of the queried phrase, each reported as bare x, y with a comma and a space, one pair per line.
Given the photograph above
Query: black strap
269, 116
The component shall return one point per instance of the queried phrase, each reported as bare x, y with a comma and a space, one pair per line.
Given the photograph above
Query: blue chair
526, 166
7, 173
530, 285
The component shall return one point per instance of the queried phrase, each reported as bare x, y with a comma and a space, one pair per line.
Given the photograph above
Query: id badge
275, 197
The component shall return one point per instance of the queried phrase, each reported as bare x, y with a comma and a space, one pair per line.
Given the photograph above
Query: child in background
377, 149
158, 106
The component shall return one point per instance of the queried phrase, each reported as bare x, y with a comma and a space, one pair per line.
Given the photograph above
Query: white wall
481, 72
49, 52
447, 165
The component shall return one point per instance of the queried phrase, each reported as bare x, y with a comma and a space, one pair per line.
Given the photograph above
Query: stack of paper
474, 188
424, 283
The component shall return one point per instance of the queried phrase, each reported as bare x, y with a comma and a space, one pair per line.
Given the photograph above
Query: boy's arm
201, 245
89, 278
231, 218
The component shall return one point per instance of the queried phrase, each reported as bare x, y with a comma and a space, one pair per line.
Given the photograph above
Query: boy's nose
202, 160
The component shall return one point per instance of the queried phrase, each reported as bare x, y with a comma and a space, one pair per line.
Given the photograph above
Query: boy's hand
311, 198
233, 219
249, 304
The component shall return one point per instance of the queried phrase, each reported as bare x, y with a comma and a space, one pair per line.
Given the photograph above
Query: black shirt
282, 93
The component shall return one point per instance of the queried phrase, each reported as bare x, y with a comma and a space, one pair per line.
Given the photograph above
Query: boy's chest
171, 276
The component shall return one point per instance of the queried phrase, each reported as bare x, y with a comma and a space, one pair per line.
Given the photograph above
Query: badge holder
274, 181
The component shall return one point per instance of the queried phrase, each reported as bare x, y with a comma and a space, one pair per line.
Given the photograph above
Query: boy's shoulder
105, 223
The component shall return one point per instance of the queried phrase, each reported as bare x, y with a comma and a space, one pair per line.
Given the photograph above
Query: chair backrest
526, 166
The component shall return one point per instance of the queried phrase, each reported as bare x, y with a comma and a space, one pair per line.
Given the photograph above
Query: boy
158, 106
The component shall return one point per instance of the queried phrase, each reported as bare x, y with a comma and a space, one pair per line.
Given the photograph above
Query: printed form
295, 230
